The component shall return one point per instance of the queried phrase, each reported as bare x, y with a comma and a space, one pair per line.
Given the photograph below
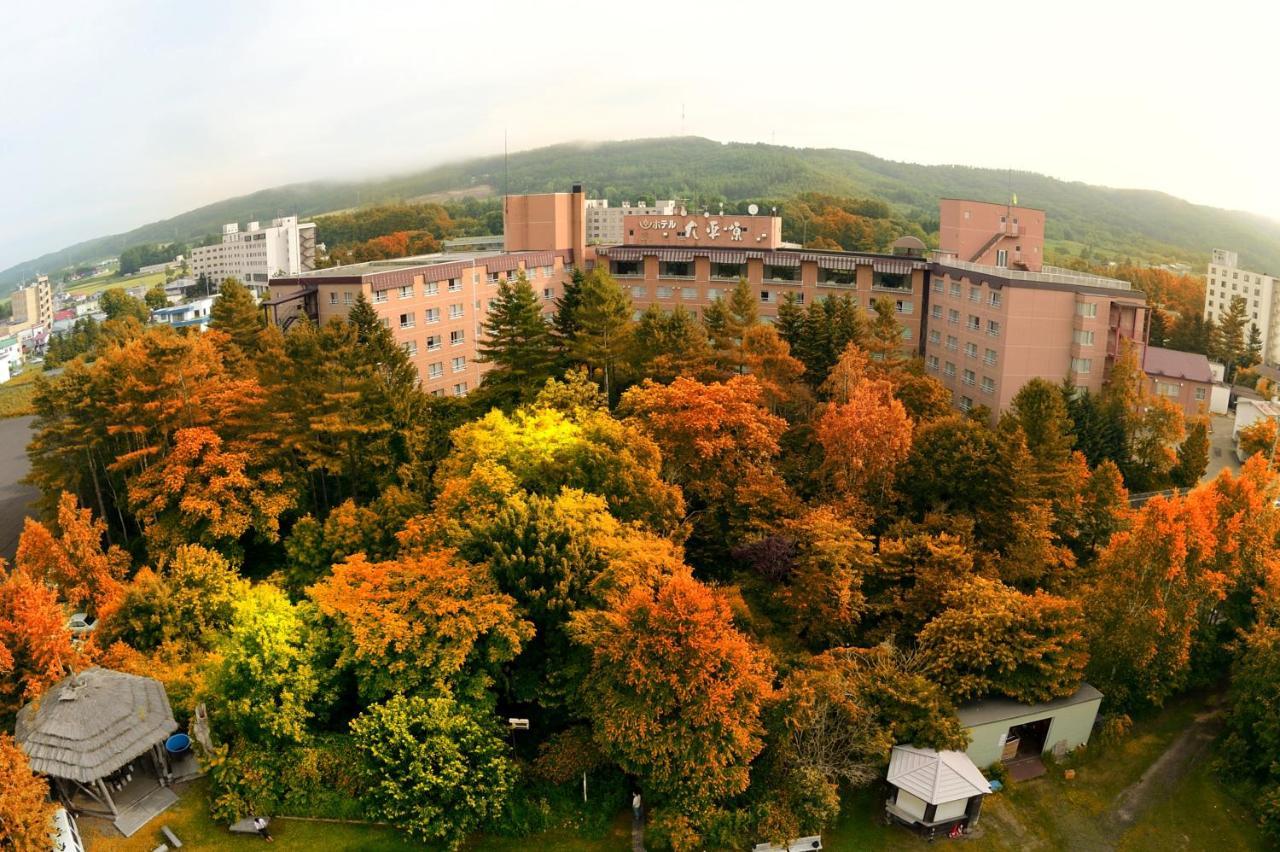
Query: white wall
911, 803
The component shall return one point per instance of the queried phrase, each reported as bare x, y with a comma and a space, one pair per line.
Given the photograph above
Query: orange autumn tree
823, 591
1156, 582
768, 358
426, 620
35, 645
204, 492
26, 814
994, 640
865, 431
87, 575
674, 690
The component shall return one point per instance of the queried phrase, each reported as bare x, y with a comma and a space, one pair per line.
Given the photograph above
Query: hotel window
628, 268
346, 297
433, 342
955, 289
406, 292
993, 328
379, 297
952, 343
799, 298
459, 364
333, 297
493, 278
993, 299
639, 292
436, 370
734, 271
971, 350
764, 296
386, 322
689, 293
1087, 310
904, 307
455, 285
936, 312
406, 320
410, 347
1081, 365
438, 392
460, 389
714, 294
548, 293
936, 286
546, 271
897, 281
457, 338
949, 369
1002, 258
431, 288
675, 269
906, 334
1199, 394
935, 336
969, 377
932, 363
966, 403
455, 311
975, 295
1083, 338
990, 357
953, 316
988, 384
974, 323
664, 292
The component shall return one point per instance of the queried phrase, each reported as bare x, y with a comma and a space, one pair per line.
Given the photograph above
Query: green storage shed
1001, 730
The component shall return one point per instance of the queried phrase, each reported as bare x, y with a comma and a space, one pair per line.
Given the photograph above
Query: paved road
15, 498
1221, 450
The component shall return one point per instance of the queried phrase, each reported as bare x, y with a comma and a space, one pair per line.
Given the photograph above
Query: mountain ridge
1145, 224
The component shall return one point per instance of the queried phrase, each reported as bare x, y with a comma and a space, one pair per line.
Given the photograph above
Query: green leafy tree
672, 344
1039, 408
517, 344
432, 767
117, 304
263, 679
156, 297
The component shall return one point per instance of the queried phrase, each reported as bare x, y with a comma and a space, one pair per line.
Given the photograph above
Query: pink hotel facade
984, 313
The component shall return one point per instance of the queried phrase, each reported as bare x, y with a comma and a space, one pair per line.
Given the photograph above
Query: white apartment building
604, 223
256, 254
1226, 280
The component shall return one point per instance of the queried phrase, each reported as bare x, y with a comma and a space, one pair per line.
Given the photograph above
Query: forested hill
1137, 224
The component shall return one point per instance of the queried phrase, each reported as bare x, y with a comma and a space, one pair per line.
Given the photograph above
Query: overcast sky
113, 114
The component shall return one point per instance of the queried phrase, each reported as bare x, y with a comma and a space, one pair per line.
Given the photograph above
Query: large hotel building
983, 311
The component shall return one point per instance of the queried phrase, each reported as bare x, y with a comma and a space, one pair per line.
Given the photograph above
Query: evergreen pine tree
1158, 331
517, 342
565, 322
790, 323
604, 327
1253, 352
1228, 340
236, 313
1193, 455
884, 343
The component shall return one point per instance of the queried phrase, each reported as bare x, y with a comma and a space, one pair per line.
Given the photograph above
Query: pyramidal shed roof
88, 725
937, 777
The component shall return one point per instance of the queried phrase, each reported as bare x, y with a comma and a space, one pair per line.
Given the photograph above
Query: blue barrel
178, 744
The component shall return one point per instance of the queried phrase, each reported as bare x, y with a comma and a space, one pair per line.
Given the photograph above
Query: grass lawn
1199, 814
17, 393
111, 281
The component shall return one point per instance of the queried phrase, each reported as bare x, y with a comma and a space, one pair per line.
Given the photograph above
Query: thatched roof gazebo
92, 724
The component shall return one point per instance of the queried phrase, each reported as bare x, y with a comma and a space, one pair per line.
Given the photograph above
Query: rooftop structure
604, 223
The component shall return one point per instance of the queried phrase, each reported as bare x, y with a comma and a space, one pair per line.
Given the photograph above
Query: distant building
193, 314
10, 356
1226, 280
490, 242
257, 254
604, 223
33, 305
1184, 378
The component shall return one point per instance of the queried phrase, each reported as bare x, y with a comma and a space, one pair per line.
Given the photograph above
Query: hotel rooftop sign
703, 229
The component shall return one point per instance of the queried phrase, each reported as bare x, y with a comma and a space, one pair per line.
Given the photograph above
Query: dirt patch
1189, 747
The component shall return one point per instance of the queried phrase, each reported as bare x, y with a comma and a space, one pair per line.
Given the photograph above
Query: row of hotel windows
690, 294
1213, 270
436, 370
900, 282
974, 323
460, 389
429, 316
969, 377
975, 293
452, 285
970, 349
435, 341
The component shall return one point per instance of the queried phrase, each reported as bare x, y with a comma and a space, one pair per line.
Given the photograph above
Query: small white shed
937, 791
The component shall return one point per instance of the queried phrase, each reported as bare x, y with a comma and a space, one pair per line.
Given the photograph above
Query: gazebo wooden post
102, 787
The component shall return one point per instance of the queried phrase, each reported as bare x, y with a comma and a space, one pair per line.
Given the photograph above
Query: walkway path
637, 834
15, 498
1161, 777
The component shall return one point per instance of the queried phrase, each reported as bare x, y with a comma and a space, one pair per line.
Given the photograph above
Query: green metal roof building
1002, 730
